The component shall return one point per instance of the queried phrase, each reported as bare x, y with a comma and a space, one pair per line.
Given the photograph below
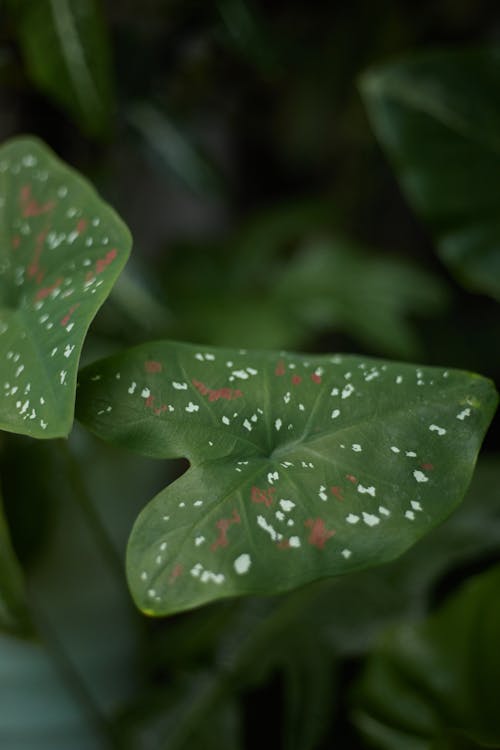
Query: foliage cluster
234, 142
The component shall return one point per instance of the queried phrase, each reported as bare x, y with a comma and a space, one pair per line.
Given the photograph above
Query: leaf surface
13, 611
61, 249
438, 117
66, 50
438, 680
301, 467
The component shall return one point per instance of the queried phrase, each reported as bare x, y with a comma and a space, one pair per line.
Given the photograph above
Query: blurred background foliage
233, 141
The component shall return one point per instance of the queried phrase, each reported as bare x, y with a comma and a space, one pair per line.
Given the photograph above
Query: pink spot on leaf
319, 533
67, 317
351, 478
427, 467
263, 496
81, 226
214, 395
43, 293
284, 544
15, 241
31, 207
34, 268
223, 525
296, 379
280, 368
176, 572
152, 366
337, 492
316, 378
103, 263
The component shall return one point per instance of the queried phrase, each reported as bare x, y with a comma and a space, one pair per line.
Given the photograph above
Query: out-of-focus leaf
286, 278
301, 467
248, 34
174, 149
14, 616
438, 116
309, 696
335, 285
62, 249
193, 713
66, 50
429, 680
37, 711
63, 691
257, 638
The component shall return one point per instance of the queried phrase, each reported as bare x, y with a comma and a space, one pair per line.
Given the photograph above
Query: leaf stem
72, 678
92, 517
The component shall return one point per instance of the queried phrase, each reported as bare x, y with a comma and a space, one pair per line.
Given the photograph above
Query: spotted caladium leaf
61, 249
301, 467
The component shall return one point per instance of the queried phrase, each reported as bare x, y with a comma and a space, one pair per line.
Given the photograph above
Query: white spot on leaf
436, 428
242, 563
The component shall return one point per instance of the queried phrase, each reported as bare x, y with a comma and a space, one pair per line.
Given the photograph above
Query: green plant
331, 470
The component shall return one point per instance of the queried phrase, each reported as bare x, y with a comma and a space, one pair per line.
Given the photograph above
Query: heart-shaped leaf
61, 249
301, 467
438, 116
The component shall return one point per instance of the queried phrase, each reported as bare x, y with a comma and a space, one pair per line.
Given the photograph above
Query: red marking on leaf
81, 226
316, 378
67, 317
337, 491
427, 467
263, 496
152, 366
176, 572
284, 544
351, 478
319, 533
201, 387
149, 404
43, 293
16, 241
34, 268
280, 368
214, 395
223, 525
103, 263
31, 207
296, 379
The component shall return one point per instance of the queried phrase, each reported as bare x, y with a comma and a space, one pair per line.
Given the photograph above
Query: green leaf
65, 690
173, 148
439, 679
289, 276
13, 611
333, 283
301, 467
61, 249
66, 50
438, 116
